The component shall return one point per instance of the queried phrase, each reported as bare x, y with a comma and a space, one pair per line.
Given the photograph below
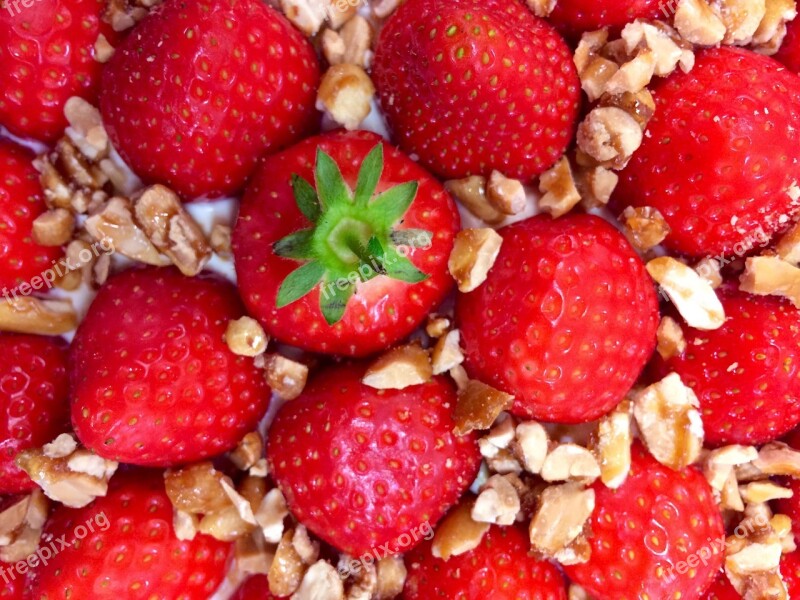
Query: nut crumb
345, 95
505, 194
473, 255
285, 377
458, 533
614, 439
645, 226
446, 353
698, 24
249, 450
771, 276
531, 445
497, 503
246, 337
610, 136
561, 517
478, 406
671, 341
471, 193
560, 193
399, 368
321, 582
570, 462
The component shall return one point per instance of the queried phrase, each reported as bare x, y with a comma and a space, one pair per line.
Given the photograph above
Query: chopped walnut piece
248, 451
86, 129
772, 30
777, 458
356, 38
27, 314
531, 445
196, 489
576, 592
499, 437
771, 276
478, 406
23, 546
225, 525
641, 105
497, 503
333, 47
321, 582
458, 533
698, 24
560, 518
307, 15
384, 8
788, 245
241, 504
437, 326
610, 135
220, 240
730, 497
83, 461
741, 19
568, 462
559, 189
306, 548
667, 48
633, 75
446, 353
62, 446
763, 491
103, 50
185, 525
693, 296
645, 226
101, 269
505, 194
473, 255
252, 555
541, 8
286, 377
113, 226
345, 95
399, 368
270, 515
594, 70
246, 337
595, 184
287, 568
391, 573
471, 193
669, 421
709, 269
12, 519
671, 341
614, 440
53, 228
754, 571
172, 230
720, 463
504, 463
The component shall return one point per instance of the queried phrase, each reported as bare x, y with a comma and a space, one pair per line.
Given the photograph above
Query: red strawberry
47, 52
21, 201
201, 89
34, 401
12, 584
789, 53
722, 589
255, 588
746, 374
583, 320
153, 382
498, 569
327, 272
660, 535
721, 159
124, 546
573, 17
366, 469
475, 85
790, 571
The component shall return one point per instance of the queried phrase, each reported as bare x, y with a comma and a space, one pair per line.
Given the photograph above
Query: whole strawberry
153, 381
34, 401
124, 546
201, 89
645, 533
342, 244
21, 201
500, 568
582, 323
475, 85
721, 159
574, 17
746, 374
789, 52
12, 586
369, 469
47, 49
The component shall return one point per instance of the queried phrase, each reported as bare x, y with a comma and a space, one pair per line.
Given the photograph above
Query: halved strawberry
153, 381
346, 257
124, 546
370, 469
34, 401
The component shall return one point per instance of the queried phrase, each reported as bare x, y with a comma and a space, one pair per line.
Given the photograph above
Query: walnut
595, 184
645, 227
307, 15
741, 19
614, 440
668, 50
113, 226
478, 406
563, 513
694, 298
384, 8
62, 446
446, 353
633, 75
252, 555
497, 503
531, 445
172, 230
730, 497
698, 23
53, 228
458, 533
671, 341
559, 189
196, 489
763, 491
504, 462
641, 105
541, 8
306, 548
27, 314
286, 377
287, 568
12, 519
103, 50
399, 368
771, 276
23, 541
719, 463
437, 326
220, 240
471, 193
248, 451
356, 36
505, 194
610, 136
185, 525
246, 337
772, 30
86, 129
709, 269
225, 525
473, 255
576, 592
568, 462
391, 573
777, 458
321, 582
242, 506
270, 515
669, 421
345, 95
333, 47
500, 437
594, 70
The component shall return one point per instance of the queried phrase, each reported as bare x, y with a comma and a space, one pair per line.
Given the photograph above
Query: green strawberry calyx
353, 238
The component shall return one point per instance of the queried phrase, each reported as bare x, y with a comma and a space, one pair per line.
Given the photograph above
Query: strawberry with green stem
342, 243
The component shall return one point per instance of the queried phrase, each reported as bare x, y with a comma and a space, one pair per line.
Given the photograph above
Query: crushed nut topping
595, 184
559, 189
741, 19
776, 458
645, 226
270, 515
788, 245
185, 525
771, 276
287, 568
505, 194
458, 533
196, 489
345, 95
763, 491
249, 450
610, 136
391, 573
400, 368
53, 228
478, 406
321, 582
220, 240
561, 518
473, 255
471, 193
437, 326
614, 439
62, 446
698, 24
351, 45
567, 462
772, 30
286, 377
246, 337
113, 225
709, 269
28, 314
671, 341
497, 503
253, 556
541, 8
446, 353
531, 445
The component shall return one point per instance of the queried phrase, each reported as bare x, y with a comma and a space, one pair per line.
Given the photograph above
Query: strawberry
722, 589
338, 271
220, 81
34, 401
370, 470
124, 546
746, 373
583, 326
790, 572
498, 569
789, 52
153, 382
475, 85
574, 17
12, 585
721, 158
660, 535
255, 588
21, 201
47, 49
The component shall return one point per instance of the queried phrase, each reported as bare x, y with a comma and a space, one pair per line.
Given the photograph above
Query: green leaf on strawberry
353, 238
